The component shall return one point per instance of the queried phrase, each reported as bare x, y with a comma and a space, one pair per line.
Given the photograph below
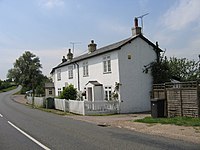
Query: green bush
69, 93
25, 89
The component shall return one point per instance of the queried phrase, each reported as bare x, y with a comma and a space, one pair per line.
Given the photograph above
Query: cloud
49, 4
182, 14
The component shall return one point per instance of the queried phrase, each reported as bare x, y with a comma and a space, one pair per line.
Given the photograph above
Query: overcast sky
46, 27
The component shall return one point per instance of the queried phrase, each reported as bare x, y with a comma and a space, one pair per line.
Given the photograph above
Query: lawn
180, 121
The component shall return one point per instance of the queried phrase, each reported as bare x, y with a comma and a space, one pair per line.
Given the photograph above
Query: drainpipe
78, 76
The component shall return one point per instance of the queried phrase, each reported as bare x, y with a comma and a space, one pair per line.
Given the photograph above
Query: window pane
59, 74
70, 72
106, 95
109, 95
109, 66
87, 70
104, 66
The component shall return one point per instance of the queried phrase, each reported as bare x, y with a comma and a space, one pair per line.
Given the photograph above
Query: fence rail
86, 107
101, 107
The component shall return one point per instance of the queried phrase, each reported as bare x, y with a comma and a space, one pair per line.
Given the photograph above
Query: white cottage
116, 69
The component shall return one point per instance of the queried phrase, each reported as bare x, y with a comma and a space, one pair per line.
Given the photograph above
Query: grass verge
180, 121
58, 112
8, 89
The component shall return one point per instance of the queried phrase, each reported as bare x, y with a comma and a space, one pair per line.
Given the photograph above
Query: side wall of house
135, 84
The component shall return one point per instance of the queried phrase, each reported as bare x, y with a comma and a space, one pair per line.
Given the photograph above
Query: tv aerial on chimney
141, 19
73, 45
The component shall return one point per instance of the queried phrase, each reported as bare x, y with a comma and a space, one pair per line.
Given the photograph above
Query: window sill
107, 72
70, 77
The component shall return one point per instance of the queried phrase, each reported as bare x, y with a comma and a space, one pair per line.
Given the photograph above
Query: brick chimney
136, 30
69, 55
64, 59
92, 47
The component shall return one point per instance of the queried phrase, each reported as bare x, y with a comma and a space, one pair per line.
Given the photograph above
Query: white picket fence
101, 107
86, 107
38, 101
80, 107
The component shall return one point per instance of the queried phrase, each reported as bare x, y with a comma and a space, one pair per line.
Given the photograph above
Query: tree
69, 93
184, 69
160, 71
40, 91
26, 71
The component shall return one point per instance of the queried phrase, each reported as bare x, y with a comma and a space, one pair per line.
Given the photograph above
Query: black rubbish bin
50, 103
157, 107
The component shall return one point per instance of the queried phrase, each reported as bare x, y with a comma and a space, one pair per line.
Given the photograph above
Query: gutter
78, 75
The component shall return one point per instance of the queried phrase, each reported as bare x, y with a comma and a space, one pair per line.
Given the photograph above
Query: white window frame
70, 72
85, 69
50, 91
59, 74
108, 93
59, 91
107, 64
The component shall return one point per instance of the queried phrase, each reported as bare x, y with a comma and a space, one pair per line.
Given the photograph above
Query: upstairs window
106, 64
59, 74
85, 69
70, 72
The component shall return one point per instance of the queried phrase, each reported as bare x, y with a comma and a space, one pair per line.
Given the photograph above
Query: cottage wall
95, 69
135, 84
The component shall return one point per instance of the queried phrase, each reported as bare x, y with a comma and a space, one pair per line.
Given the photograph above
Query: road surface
23, 128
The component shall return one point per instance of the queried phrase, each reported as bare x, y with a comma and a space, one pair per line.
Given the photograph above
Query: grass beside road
8, 89
180, 121
58, 112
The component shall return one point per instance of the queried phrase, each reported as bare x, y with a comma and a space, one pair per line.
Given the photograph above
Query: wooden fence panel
183, 99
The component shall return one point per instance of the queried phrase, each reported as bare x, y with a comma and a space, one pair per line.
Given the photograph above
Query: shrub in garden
69, 93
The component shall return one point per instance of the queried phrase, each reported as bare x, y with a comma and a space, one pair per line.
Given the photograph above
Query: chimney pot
92, 46
69, 55
64, 59
136, 22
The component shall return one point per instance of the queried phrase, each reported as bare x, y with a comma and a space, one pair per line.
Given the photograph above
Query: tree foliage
160, 71
184, 69
5, 84
69, 93
27, 72
175, 68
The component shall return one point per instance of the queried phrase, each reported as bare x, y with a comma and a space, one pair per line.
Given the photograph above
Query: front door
89, 94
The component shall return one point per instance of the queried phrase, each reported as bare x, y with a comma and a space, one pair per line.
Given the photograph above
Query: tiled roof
105, 49
49, 85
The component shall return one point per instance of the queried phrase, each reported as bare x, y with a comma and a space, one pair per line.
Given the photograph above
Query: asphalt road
23, 128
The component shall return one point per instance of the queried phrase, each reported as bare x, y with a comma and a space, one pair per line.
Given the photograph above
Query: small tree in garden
160, 71
69, 93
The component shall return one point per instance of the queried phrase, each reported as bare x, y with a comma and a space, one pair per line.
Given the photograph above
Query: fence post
181, 100
198, 97
84, 108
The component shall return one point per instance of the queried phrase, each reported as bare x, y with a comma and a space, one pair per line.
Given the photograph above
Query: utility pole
73, 45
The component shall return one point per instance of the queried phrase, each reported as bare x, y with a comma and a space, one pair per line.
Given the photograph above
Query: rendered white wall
95, 66
136, 85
